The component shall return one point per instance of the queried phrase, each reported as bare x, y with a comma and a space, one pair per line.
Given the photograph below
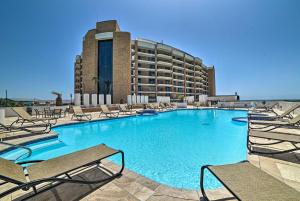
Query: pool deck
134, 187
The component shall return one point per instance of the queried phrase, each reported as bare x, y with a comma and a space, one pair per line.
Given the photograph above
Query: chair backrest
77, 110
104, 108
123, 107
291, 109
272, 105
156, 105
169, 104
295, 119
150, 105
11, 172
22, 113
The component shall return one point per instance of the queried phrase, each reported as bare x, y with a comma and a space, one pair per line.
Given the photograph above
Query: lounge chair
277, 138
276, 124
57, 170
24, 117
169, 105
248, 183
162, 106
150, 106
279, 114
124, 109
265, 108
157, 106
79, 114
197, 105
286, 113
31, 128
107, 112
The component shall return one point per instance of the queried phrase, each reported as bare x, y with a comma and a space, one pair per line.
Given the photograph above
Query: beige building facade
112, 63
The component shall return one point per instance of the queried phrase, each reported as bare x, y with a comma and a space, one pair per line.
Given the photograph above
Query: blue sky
254, 44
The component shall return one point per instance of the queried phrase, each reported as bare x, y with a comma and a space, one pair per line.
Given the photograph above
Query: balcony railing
163, 69
178, 61
164, 63
160, 55
146, 54
146, 61
178, 67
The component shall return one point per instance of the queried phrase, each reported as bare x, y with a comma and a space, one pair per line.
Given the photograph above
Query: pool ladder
29, 151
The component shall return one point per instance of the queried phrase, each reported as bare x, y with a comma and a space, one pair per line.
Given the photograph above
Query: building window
105, 55
152, 81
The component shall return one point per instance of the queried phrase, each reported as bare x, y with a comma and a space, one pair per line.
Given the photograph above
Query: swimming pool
169, 148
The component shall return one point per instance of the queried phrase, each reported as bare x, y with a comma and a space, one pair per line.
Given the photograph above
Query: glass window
105, 59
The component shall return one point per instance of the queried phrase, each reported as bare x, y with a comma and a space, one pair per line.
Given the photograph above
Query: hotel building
112, 63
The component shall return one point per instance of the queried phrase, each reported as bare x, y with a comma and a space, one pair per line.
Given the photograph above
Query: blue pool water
169, 148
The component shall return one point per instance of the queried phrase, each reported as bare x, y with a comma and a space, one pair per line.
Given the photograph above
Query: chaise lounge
107, 112
248, 183
55, 171
43, 128
169, 106
125, 110
79, 114
24, 117
266, 108
278, 114
276, 123
274, 136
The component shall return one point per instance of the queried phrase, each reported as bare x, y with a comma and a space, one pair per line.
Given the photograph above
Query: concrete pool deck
133, 187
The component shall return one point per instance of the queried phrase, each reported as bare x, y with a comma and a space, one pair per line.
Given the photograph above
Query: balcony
146, 54
188, 64
146, 84
178, 79
146, 69
178, 73
147, 88
164, 92
163, 63
146, 61
176, 86
189, 70
178, 61
164, 56
164, 85
189, 75
164, 69
178, 67
164, 77
197, 73
146, 75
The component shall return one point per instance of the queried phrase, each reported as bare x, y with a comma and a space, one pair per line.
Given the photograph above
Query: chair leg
205, 198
